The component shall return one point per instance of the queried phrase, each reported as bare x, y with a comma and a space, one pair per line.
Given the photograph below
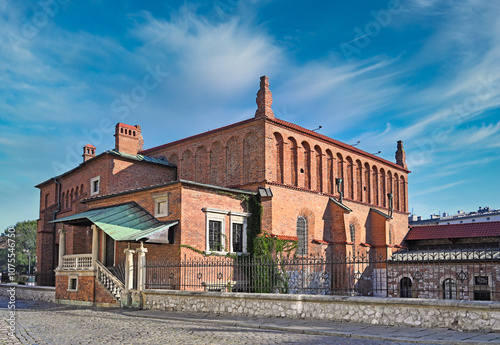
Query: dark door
110, 252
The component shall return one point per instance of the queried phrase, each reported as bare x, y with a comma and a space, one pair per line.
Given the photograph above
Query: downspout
54, 214
389, 195
338, 182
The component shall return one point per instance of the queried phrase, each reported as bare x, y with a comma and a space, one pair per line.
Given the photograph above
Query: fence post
141, 269
129, 269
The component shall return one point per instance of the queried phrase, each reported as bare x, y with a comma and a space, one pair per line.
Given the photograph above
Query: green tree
25, 248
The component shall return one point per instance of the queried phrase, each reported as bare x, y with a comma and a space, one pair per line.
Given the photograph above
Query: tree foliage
25, 246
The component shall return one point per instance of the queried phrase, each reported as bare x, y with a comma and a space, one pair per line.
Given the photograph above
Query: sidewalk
338, 329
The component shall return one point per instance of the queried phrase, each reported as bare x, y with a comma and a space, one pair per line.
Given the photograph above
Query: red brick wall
299, 159
193, 218
228, 157
115, 175
329, 222
89, 290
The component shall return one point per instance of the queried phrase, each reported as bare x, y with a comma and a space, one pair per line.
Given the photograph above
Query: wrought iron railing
444, 273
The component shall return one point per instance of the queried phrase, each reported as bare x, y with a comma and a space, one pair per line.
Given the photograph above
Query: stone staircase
110, 281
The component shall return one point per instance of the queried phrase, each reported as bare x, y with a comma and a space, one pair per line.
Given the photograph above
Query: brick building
450, 261
189, 197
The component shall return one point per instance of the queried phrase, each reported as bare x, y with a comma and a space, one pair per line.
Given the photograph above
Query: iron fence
467, 274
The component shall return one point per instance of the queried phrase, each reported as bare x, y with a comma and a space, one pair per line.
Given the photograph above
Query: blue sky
422, 71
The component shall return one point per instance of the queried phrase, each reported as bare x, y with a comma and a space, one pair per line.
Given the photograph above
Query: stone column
62, 247
141, 269
95, 245
129, 269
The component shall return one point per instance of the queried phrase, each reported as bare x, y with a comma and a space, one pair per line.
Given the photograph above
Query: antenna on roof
356, 143
317, 129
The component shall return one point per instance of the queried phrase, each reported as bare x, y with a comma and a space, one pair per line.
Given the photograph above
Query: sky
422, 71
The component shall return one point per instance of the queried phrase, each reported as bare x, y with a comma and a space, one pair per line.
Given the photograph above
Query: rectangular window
72, 283
237, 237
214, 235
95, 185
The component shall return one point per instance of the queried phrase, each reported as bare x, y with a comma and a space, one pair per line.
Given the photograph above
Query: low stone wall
457, 315
39, 293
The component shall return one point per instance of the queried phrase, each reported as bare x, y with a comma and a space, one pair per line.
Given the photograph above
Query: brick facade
208, 174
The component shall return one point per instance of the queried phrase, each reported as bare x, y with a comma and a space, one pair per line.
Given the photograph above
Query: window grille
449, 289
237, 238
352, 228
214, 235
302, 235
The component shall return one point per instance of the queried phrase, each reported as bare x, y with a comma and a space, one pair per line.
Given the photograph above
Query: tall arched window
449, 289
302, 235
405, 287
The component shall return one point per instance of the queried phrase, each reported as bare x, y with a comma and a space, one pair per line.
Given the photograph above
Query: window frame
92, 181
216, 215
70, 278
306, 237
238, 218
158, 199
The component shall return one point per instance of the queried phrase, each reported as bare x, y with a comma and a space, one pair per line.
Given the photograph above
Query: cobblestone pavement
47, 323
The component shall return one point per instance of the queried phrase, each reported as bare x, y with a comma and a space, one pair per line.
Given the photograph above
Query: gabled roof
113, 152
288, 125
125, 222
466, 230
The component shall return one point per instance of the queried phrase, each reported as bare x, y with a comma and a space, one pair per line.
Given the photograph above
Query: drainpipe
389, 195
54, 214
338, 182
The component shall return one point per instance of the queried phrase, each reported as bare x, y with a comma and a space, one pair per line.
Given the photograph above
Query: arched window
449, 289
302, 235
405, 287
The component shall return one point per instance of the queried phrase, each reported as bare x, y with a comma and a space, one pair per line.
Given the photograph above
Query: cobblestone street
47, 323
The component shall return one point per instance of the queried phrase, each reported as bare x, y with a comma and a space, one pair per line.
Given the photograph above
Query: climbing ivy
253, 222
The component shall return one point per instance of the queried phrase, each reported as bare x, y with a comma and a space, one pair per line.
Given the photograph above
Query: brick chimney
401, 155
264, 99
88, 152
128, 139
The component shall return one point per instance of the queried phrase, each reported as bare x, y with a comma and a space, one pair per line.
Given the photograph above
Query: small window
302, 235
487, 218
215, 235
237, 238
95, 185
405, 287
449, 289
72, 283
161, 205
352, 229
473, 220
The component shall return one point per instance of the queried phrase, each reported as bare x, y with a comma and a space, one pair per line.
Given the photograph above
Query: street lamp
29, 259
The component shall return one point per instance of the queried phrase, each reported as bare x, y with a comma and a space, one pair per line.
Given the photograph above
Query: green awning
126, 222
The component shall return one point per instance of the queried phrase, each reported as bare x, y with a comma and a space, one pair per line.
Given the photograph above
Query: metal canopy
126, 222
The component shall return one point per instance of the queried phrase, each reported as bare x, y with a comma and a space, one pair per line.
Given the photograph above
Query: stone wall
457, 315
23, 292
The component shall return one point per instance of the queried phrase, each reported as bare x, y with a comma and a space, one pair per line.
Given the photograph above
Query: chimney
128, 139
88, 152
401, 155
264, 99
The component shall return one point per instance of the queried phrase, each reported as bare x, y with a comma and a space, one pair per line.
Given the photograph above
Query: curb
302, 330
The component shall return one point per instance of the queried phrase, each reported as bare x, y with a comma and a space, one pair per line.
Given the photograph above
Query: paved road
47, 323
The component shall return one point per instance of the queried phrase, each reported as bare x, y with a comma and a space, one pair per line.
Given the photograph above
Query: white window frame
238, 218
92, 180
159, 198
70, 277
218, 216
